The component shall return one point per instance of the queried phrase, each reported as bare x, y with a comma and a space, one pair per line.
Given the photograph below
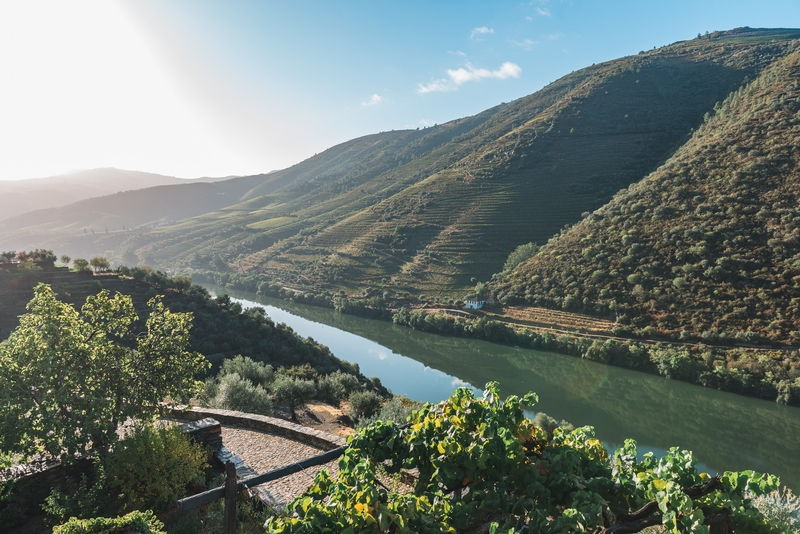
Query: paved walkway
264, 451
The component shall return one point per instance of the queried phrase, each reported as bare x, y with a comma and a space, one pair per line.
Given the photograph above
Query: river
725, 431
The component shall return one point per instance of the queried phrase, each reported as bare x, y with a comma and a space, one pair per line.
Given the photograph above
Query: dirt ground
325, 418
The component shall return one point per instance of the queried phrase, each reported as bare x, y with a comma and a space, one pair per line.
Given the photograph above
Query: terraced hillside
430, 211
708, 246
617, 122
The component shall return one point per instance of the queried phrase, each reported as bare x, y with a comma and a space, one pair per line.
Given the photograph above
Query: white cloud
525, 44
543, 12
483, 30
457, 77
374, 100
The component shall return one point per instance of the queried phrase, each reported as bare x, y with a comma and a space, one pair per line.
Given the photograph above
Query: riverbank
761, 372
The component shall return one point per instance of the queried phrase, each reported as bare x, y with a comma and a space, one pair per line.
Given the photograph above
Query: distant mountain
433, 210
705, 248
21, 196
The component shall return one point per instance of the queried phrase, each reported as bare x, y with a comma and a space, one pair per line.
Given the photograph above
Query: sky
195, 88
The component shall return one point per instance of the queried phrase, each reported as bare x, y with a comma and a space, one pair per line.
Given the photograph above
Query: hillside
21, 196
707, 247
428, 211
220, 329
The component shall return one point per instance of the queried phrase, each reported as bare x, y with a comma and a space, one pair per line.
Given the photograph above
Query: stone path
264, 451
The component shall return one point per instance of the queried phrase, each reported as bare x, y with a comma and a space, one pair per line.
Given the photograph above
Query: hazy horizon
203, 89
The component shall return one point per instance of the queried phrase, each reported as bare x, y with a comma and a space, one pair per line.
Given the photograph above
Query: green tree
65, 259
520, 254
99, 263
80, 264
69, 378
364, 404
293, 392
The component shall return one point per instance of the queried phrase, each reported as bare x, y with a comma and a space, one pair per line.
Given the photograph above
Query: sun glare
82, 84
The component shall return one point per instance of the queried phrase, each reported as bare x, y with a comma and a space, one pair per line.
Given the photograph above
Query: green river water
725, 431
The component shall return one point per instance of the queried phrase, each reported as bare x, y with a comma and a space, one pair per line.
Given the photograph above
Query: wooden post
229, 518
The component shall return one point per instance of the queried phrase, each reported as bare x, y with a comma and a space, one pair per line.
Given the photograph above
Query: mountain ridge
432, 211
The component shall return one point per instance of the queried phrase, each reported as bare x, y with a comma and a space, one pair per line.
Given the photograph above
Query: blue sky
197, 87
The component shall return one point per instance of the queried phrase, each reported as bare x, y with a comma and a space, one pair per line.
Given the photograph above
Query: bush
259, 373
336, 387
780, 506
397, 409
153, 467
141, 522
364, 404
549, 424
11, 514
236, 393
293, 392
89, 497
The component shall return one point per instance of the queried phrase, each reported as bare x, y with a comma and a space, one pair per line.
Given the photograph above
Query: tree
69, 378
80, 265
520, 254
99, 263
293, 392
65, 259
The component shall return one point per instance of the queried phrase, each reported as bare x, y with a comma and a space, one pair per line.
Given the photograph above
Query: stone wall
293, 431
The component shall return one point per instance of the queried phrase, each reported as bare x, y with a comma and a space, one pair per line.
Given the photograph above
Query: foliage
80, 265
363, 404
250, 517
293, 392
90, 496
11, 514
549, 424
236, 393
69, 378
259, 373
136, 521
99, 263
520, 254
780, 506
336, 387
705, 248
511, 467
153, 466
396, 409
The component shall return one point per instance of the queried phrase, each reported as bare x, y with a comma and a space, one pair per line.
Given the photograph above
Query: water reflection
725, 431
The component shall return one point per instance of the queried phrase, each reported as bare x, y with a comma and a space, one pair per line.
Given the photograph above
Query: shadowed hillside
708, 246
429, 211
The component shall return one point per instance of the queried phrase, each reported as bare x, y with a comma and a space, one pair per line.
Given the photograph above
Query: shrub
336, 387
293, 392
153, 466
142, 522
259, 373
364, 404
236, 393
397, 409
549, 424
780, 506
89, 497
11, 514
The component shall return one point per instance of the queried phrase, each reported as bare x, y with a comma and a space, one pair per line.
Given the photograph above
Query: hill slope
708, 245
430, 210
21, 196
537, 164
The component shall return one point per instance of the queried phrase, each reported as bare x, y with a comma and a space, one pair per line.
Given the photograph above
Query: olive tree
99, 263
68, 379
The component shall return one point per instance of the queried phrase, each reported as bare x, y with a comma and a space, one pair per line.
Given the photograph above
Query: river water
725, 431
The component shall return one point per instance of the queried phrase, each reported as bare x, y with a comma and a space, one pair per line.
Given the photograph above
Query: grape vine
481, 459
